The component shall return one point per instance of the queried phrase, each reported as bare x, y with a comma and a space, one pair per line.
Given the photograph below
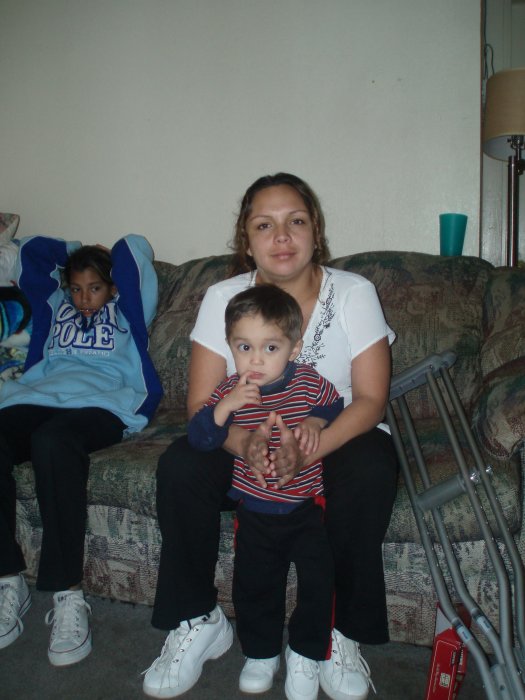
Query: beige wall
153, 116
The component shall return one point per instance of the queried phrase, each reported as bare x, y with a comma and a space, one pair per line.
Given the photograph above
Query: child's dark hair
89, 256
272, 303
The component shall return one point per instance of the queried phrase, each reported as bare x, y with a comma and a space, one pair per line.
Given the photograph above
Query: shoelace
306, 667
351, 659
65, 617
10, 605
176, 643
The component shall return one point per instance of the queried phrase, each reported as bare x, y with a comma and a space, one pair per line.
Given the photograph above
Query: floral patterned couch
434, 304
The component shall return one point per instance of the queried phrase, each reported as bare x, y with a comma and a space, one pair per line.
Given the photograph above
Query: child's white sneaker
257, 674
302, 677
70, 640
15, 601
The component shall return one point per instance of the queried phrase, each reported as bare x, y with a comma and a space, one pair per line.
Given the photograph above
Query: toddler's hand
243, 393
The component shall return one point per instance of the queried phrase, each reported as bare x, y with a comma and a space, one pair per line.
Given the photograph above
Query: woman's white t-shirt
346, 320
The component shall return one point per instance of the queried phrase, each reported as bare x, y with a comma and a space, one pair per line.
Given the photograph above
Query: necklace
309, 303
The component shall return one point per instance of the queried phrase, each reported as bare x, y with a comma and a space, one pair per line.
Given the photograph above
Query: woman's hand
287, 460
256, 449
283, 463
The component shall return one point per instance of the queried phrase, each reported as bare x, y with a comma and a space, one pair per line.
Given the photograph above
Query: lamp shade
504, 112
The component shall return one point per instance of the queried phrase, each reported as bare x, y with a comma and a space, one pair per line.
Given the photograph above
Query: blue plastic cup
452, 229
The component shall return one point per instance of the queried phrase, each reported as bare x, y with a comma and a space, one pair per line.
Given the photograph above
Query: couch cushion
123, 475
435, 304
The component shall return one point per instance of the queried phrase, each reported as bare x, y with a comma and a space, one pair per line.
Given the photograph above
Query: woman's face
280, 234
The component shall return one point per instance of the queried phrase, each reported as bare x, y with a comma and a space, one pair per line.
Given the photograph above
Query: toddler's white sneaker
302, 677
257, 674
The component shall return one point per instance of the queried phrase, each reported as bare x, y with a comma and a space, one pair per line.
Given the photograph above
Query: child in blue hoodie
88, 381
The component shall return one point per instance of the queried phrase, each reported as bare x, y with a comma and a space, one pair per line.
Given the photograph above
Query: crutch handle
417, 374
441, 493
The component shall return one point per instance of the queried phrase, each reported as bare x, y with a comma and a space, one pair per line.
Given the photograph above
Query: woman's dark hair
243, 262
89, 256
273, 304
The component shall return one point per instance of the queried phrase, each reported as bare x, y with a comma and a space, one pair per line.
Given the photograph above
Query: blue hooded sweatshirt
105, 363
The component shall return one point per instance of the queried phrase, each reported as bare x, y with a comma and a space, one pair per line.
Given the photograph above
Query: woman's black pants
360, 486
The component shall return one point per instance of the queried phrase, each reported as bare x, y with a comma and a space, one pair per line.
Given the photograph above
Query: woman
279, 239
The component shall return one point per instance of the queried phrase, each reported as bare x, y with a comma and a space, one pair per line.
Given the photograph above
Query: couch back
433, 304
181, 290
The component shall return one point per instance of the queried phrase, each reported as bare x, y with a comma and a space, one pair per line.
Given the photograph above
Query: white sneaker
15, 601
302, 677
70, 640
346, 675
257, 674
180, 663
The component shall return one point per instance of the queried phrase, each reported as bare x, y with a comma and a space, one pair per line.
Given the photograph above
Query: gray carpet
124, 644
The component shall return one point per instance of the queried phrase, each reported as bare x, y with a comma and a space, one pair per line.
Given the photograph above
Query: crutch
502, 670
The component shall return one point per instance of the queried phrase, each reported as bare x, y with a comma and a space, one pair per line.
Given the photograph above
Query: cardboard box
448, 664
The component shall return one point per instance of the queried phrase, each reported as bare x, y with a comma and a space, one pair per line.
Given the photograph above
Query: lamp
504, 138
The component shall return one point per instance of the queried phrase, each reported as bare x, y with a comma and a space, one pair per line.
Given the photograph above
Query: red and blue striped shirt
301, 392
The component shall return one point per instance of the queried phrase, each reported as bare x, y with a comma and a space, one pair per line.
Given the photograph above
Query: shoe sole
68, 658
291, 695
253, 691
13, 635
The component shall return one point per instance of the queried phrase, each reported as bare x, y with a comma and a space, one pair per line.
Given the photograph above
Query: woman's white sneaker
15, 601
180, 663
346, 675
70, 640
302, 677
257, 674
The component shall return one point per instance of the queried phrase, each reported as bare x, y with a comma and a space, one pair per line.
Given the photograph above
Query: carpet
125, 644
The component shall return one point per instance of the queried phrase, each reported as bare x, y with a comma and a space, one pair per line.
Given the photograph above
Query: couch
434, 304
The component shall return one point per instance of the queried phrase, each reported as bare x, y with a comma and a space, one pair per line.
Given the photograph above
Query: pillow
8, 249
8, 225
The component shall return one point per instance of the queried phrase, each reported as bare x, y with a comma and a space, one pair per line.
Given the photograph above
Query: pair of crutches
501, 669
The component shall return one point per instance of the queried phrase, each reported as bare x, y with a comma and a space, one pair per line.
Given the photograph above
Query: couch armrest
498, 412
503, 319
498, 416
